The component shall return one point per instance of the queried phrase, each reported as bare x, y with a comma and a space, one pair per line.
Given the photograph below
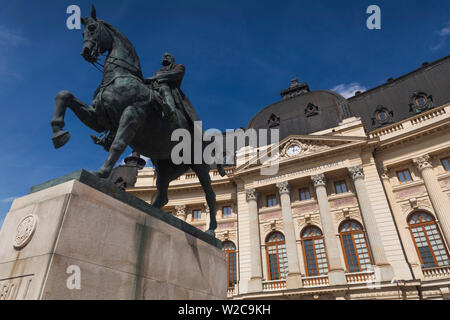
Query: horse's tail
221, 170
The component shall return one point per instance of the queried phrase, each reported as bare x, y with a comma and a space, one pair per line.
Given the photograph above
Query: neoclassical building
359, 207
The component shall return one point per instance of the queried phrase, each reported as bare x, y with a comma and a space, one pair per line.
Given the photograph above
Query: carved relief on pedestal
25, 231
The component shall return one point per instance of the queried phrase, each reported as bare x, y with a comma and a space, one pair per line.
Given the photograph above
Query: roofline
401, 77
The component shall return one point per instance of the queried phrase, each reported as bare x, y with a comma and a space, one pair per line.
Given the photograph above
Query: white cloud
443, 34
9, 199
10, 38
348, 90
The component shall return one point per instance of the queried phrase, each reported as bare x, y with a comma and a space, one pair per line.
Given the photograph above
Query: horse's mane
125, 41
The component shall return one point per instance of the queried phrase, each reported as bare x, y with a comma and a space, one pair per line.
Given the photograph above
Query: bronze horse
131, 111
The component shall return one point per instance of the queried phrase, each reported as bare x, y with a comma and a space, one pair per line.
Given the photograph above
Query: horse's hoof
61, 138
211, 233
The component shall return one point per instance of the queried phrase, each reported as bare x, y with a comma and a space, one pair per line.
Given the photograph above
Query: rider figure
168, 81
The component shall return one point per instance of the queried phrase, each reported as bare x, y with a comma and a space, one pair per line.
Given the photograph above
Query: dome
302, 112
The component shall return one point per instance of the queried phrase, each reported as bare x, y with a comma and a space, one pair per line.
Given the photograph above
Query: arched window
428, 240
354, 244
230, 251
314, 252
276, 256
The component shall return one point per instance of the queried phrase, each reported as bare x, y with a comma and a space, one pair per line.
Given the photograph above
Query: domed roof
302, 111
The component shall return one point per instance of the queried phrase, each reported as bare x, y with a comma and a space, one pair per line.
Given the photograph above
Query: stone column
180, 212
255, 282
370, 223
438, 199
402, 225
207, 215
336, 273
293, 279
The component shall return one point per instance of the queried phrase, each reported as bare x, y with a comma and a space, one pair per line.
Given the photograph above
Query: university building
359, 207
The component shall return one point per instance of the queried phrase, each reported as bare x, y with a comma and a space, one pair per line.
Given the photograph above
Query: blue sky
238, 54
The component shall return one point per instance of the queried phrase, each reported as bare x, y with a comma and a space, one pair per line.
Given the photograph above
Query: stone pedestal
78, 237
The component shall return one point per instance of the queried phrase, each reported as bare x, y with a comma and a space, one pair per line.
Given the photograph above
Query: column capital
318, 180
356, 172
283, 187
385, 174
251, 194
423, 162
180, 210
206, 208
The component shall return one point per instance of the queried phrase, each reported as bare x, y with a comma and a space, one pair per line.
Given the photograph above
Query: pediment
301, 146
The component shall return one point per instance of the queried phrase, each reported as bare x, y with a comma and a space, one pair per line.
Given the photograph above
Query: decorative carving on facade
356, 172
180, 211
273, 121
318, 180
382, 116
25, 231
386, 174
347, 213
423, 162
308, 218
272, 226
344, 202
311, 110
413, 191
295, 147
420, 102
205, 208
251, 194
416, 204
283, 187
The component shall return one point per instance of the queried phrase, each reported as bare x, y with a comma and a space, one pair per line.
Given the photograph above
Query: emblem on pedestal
25, 231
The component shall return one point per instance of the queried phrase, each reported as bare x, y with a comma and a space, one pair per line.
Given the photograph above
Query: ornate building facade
360, 206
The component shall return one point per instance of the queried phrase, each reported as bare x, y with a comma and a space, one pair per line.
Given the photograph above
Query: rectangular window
446, 163
341, 187
196, 215
304, 194
404, 176
226, 212
271, 200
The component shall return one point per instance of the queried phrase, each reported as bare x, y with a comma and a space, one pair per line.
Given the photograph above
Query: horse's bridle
97, 52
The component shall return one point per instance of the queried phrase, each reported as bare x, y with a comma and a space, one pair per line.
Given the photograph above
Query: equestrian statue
129, 110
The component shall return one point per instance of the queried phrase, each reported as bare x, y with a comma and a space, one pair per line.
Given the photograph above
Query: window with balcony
354, 244
304, 194
428, 240
271, 200
276, 256
404, 176
230, 251
340, 187
446, 163
226, 212
196, 215
314, 252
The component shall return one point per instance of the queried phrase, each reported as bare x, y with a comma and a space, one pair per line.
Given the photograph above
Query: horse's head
97, 39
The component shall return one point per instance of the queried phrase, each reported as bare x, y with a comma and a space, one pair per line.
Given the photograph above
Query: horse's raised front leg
83, 111
202, 171
130, 121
